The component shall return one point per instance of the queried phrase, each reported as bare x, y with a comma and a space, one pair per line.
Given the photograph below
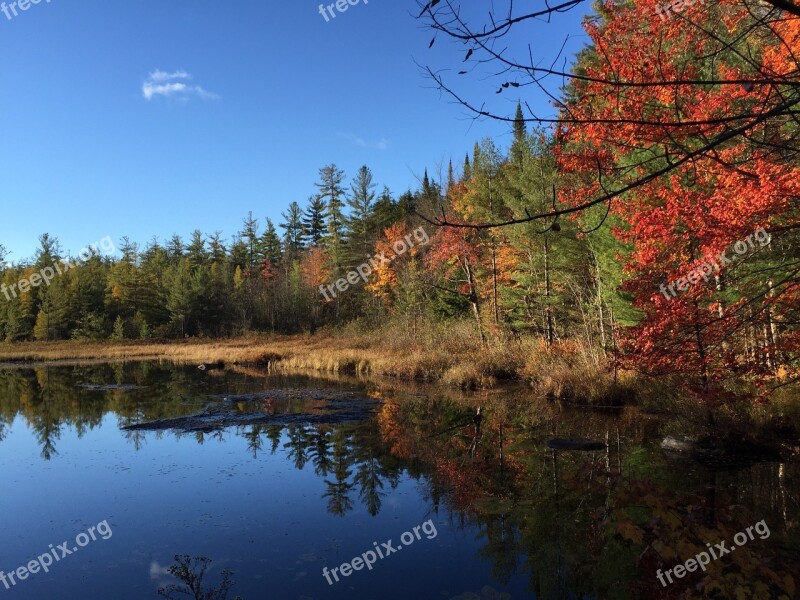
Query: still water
272, 503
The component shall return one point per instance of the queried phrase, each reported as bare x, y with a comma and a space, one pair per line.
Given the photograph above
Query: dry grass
450, 353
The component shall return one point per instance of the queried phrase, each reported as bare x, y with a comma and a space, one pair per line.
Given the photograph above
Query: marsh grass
451, 354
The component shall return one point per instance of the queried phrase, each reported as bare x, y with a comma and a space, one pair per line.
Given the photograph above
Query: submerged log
330, 407
579, 444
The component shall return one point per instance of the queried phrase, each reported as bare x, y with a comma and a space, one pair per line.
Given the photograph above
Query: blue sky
156, 117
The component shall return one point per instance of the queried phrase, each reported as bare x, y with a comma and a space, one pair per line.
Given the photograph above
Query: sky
157, 117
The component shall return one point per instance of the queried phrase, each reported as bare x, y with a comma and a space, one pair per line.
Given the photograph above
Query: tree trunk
548, 309
473, 299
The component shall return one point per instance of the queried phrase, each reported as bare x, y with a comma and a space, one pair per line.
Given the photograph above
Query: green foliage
118, 332
361, 232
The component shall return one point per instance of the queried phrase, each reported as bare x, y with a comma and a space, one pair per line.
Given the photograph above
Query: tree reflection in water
190, 571
574, 524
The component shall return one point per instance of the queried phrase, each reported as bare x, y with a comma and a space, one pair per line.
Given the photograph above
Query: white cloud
172, 85
382, 144
159, 75
157, 571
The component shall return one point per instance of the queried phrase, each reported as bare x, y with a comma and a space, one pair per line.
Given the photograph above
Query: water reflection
598, 524
191, 571
572, 524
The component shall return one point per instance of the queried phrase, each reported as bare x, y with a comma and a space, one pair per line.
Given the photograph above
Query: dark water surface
498, 514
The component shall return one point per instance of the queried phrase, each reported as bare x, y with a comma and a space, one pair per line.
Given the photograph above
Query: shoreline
458, 362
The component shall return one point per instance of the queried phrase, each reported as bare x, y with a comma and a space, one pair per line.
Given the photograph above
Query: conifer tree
196, 250
450, 177
360, 222
332, 194
218, 252
175, 248
271, 244
249, 235
520, 137
293, 229
314, 220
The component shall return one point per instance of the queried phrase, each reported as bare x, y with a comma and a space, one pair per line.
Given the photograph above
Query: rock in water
679, 443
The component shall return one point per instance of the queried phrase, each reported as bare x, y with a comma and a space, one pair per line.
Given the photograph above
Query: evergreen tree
49, 251
430, 196
175, 248
179, 299
360, 221
293, 229
196, 250
249, 235
406, 206
467, 174
332, 193
314, 220
239, 254
118, 333
385, 210
520, 137
218, 251
271, 244
450, 177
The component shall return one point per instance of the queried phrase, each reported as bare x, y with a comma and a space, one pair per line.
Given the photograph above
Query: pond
307, 488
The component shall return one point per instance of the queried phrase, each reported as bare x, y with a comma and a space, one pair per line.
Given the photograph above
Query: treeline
205, 286
268, 278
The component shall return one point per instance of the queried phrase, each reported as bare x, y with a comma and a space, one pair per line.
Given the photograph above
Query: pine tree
314, 220
271, 244
175, 248
196, 250
520, 137
293, 229
179, 299
249, 235
239, 254
385, 210
332, 193
429, 197
49, 251
467, 175
144, 330
118, 333
218, 251
450, 177
360, 222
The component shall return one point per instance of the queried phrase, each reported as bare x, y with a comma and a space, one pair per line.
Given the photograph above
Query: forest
675, 171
